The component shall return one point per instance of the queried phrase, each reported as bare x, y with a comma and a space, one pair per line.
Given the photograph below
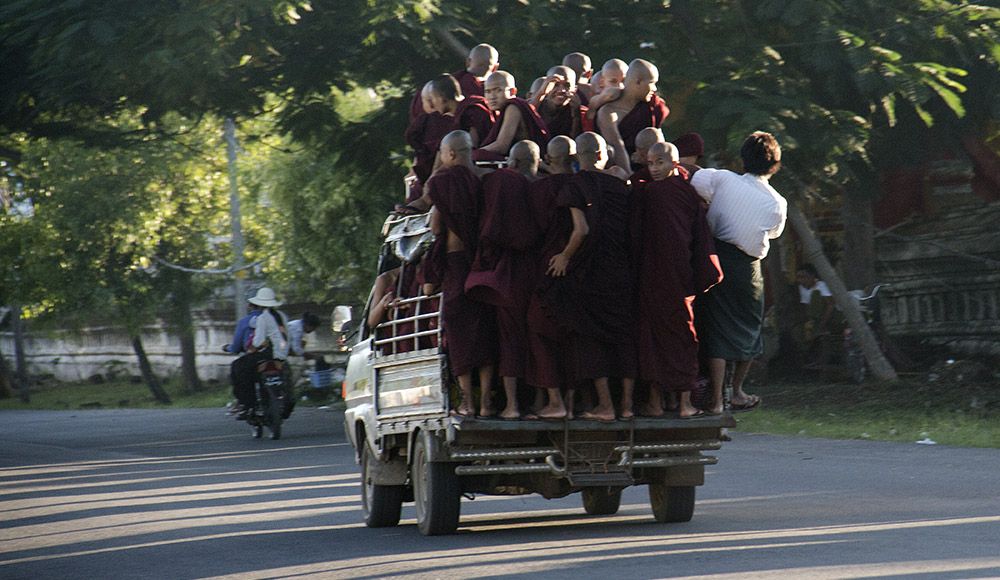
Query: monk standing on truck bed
675, 260
600, 310
469, 326
562, 232
505, 259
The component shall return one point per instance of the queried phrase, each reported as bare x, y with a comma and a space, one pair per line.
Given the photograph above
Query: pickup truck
411, 448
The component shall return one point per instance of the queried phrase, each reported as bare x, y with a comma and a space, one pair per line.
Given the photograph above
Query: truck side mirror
341, 318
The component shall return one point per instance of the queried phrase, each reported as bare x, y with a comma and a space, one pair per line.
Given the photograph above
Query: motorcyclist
269, 341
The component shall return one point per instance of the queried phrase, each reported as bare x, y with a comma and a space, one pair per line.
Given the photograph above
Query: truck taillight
343, 390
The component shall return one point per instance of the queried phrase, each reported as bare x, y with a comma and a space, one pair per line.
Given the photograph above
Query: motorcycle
273, 399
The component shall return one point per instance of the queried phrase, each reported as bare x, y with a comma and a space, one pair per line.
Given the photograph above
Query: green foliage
849, 87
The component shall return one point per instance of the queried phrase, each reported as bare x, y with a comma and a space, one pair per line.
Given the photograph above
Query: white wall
79, 355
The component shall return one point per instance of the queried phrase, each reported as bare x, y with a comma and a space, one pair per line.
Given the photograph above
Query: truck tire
601, 501
380, 504
436, 492
671, 503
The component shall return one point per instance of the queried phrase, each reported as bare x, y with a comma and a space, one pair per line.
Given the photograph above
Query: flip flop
748, 406
695, 416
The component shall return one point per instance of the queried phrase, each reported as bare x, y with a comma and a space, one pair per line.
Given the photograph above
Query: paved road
187, 494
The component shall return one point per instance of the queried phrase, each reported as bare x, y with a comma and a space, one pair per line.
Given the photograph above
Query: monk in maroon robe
638, 107
504, 266
600, 310
557, 103
643, 141
468, 113
483, 59
424, 136
675, 260
562, 233
469, 326
516, 119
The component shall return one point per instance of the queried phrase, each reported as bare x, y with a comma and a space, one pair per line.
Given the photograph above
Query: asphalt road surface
188, 494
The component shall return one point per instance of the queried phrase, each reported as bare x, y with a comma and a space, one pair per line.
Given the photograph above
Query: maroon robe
424, 137
565, 120
469, 325
548, 351
470, 85
650, 113
675, 261
473, 113
599, 301
535, 126
641, 174
504, 265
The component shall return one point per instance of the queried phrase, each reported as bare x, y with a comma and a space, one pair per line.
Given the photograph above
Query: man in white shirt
297, 329
744, 214
270, 341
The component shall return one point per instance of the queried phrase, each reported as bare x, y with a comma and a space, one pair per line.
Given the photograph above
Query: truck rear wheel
671, 503
601, 501
381, 504
436, 492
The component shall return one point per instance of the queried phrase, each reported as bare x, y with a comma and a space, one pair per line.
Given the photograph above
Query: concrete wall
106, 350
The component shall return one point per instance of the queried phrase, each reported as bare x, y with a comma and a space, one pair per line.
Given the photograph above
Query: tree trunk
859, 239
184, 325
6, 377
812, 251
148, 376
20, 363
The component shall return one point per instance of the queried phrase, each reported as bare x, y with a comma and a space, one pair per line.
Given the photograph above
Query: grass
122, 394
908, 411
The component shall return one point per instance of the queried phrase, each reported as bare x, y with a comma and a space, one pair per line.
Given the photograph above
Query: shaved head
662, 160
647, 137
535, 87
560, 147
425, 97
499, 87
580, 63
483, 59
456, 149
614, 71
524, 157
591, 150
563, 71
596, 80
664, 149
501, 78
640, 81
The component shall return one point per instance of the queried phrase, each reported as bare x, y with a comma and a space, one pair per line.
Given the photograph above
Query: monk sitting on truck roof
557, 103
639, 107
468, 112
516, 119
675, 260
469, 326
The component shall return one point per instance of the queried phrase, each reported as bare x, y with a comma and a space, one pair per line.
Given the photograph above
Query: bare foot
648, 411
510, 414
605, 415
552, 412
627, 414
465, 409
687, 410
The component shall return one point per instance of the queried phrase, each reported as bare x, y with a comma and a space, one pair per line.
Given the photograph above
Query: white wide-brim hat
265, 297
